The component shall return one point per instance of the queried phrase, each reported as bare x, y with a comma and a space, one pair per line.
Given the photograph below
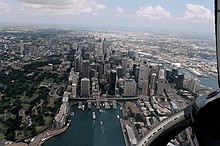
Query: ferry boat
83, 107
118, 116
93, 115
101, 123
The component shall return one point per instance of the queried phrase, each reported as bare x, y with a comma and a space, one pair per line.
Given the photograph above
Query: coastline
41, 138
122, 129
56, 133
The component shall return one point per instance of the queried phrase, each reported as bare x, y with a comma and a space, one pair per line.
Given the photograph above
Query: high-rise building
129, 87
106, 68
21, 46
85, 87
161, 82
74, 91
143, 74
124, 65
154, 69
119, 71
99, 49
74, 46
145, 88
191, 84
85, 69
152, 84
112, 82
178, 81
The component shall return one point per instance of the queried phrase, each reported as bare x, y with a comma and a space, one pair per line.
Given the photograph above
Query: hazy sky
181, 15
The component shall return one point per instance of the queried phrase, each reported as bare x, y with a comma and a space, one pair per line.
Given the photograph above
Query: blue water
84, 131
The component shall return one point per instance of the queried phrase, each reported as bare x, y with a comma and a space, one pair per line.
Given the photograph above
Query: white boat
72, 114
93, 115
83, 107
101, 123
118, 116
100, 110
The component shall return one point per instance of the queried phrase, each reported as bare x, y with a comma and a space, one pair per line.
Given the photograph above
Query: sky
195, 16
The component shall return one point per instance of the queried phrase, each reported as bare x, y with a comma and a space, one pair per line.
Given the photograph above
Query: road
161, 128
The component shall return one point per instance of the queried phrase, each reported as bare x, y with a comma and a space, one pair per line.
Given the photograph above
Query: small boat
100, 110
118, 116
83, 107
72, 114
93, 115
101, 123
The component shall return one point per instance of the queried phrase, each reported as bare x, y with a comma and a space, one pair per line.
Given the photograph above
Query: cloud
63, 7
153, 13
119, 10
197, 13
4, 7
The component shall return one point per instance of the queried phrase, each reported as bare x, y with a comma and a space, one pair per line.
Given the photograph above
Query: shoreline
42, 137
60, 131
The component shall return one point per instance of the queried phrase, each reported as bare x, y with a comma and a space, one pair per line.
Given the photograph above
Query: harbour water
210, 81
84, 131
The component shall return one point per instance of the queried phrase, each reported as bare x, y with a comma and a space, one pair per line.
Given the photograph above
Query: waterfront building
131, 135
191, 84
129, 87
60, 119
74, 90
143, 74
85, 87
161, 82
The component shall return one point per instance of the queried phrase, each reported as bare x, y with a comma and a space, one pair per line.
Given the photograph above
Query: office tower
106, 68
179, 81
145, 88
100, 68
112, 82
74, 46
74, 90
99, 49
143, 74
21, 46
124, 65
153, 69
85, 69
77, 63
85, 87
129, 87
152, 84
191, 84
119, 71
161, 82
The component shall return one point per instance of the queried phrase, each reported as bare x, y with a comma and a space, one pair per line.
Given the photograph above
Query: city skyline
162, 16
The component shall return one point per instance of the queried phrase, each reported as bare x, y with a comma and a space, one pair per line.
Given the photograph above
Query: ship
101, 123
118, 116
93, 115
83, 107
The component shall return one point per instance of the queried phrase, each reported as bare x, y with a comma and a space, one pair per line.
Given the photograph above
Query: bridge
101, 99
169, 127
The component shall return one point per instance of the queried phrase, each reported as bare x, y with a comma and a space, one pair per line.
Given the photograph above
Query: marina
104, 130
